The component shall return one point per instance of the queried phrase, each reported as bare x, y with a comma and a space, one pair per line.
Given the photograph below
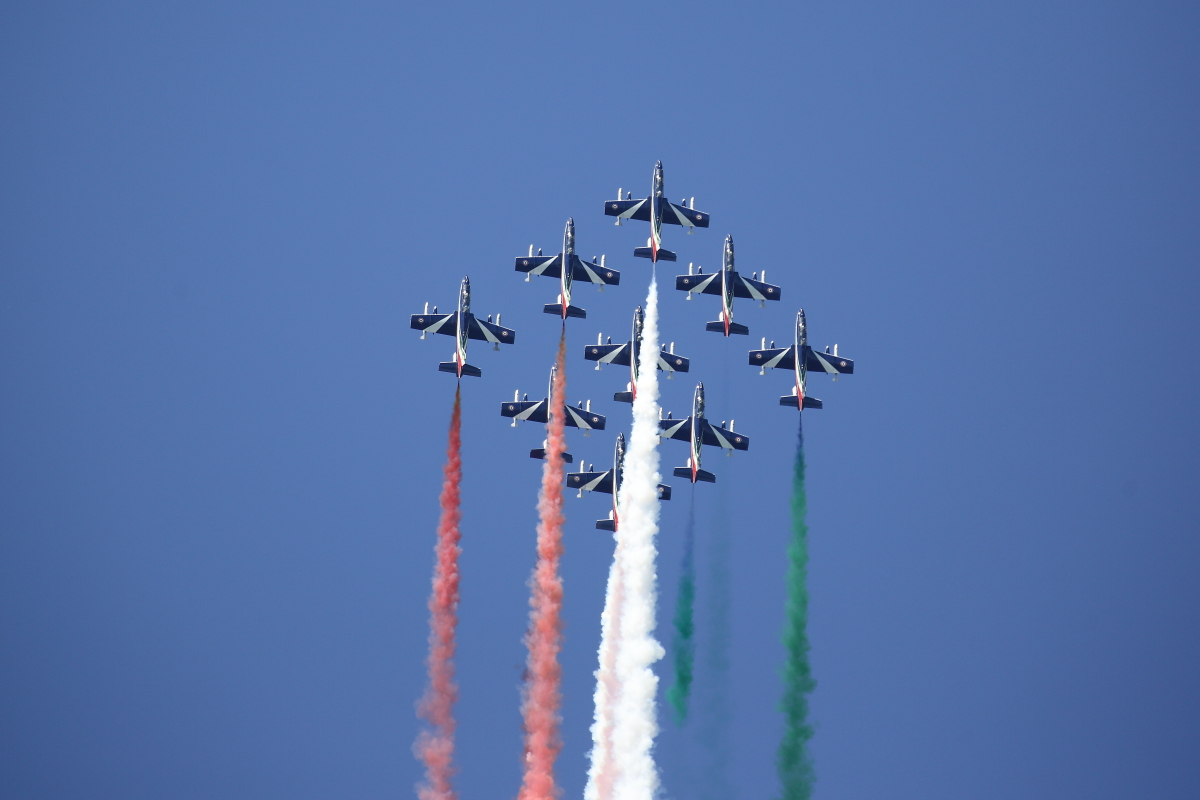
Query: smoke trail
436, 747
634, 722
793, 759
542, 694
683, 646
602, 770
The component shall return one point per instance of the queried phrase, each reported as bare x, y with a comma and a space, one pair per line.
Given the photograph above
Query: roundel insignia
595, 350
686, 281
769, 290
608, 274
504, 333
525, 263
758, 356
737, 439
420, 320
512, 408
678, 362
842, 364
595, 419
614, 205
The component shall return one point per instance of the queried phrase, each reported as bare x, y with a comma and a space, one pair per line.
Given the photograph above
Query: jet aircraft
728, 284
462, 325
580, 270
699, 431
809, 359
609, 482
656, 210
523, 409
627, 355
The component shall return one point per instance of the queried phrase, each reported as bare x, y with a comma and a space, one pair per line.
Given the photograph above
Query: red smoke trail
436, 747
542, 694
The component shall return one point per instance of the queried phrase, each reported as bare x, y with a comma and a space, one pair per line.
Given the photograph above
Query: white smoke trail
602, 771
635, 722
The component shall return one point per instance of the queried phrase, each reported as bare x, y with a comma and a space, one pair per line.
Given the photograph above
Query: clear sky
220, 444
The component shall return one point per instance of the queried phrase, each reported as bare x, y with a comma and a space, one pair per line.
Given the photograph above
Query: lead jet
609, 483
462, 325
526, 410
728, 284
626, 355
580, 270
809, 359
698, 431
656, 210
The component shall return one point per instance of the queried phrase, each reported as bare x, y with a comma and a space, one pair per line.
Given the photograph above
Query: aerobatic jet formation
656, 210
576, 270
522, 409
462, 325
626, 355
609, 482
800, 358
698, 431
728, 284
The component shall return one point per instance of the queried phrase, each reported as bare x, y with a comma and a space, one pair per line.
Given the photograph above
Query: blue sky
220, 444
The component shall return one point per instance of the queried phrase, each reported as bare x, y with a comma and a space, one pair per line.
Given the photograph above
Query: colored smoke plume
793, 760
436, 747
683, 645
542, 695
634, 722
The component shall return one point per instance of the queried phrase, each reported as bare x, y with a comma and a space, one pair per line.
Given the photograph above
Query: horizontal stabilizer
450, 366
609, 525
701, 475
540, 453
646, 252
572, 311
664, 492
790, 400
623, 397
734, 327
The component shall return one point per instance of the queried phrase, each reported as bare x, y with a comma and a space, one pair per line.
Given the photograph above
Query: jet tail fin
701, 475
572, 311
646, 252
734, 327
541, 453
809, 402
623, 397
450, 366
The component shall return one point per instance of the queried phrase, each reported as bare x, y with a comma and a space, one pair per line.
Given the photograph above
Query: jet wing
754, 290
628, 209
778, 358
586, 420
550, 266
680, 215
528, 410
592, 273
680, 429
704, 284
591, 481
669, 362
717, 436
490, 332
827, 362
432, 323
608, 353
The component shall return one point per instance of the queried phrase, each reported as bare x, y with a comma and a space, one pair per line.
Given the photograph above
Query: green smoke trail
793, 759
683, 645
